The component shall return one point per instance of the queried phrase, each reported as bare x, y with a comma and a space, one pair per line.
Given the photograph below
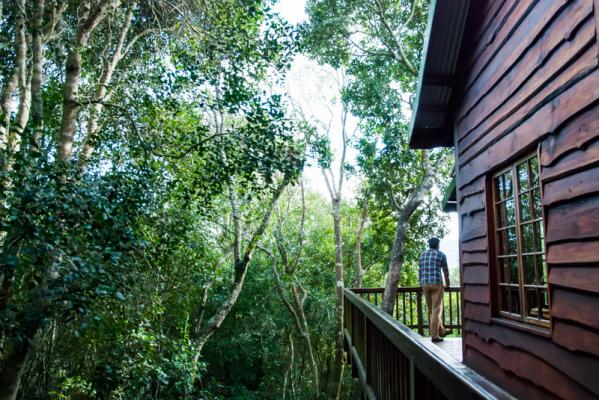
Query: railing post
365, 338
412, 379
419, 312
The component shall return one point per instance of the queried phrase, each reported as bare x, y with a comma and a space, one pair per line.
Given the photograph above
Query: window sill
534, 329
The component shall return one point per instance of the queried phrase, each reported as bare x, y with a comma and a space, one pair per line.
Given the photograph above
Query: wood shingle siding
493, 371
526, 93
530, 81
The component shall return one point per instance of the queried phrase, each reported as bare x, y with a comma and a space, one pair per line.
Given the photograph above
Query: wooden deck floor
452, 346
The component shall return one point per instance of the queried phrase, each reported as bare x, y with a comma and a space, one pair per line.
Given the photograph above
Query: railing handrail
452, 378
412, 312
402, 289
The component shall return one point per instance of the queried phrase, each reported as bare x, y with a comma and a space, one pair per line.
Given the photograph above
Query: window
519, 244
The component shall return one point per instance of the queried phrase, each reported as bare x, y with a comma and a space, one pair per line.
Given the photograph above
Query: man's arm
445, 270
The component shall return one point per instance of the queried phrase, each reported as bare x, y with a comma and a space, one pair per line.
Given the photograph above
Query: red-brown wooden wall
530, 76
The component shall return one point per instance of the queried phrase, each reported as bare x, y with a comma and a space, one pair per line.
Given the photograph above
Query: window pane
506, 213
510, 211
503, 185
504, 270
536, 304
543, 271
512, 244
544, 304
514, 301
501, 217
499, 187
536, 197
505, 299
534, 171
525, 211
530, 269
508, 185
541, 235
522, 171
514, 276
532, 303
531, 237
507, 242
509, 270
520, 243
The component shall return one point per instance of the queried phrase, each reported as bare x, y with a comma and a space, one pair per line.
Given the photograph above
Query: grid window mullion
519, 239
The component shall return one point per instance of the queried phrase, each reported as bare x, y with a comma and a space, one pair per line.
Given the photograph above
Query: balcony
392, 360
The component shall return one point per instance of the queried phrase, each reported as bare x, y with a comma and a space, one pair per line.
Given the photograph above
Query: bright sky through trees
293, 11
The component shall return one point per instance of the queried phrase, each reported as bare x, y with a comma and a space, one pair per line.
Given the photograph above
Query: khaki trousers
433, 294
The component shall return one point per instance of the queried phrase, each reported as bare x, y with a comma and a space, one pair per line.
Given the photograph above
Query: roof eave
423, 136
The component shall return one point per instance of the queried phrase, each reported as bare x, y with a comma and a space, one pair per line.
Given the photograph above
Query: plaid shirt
431, 263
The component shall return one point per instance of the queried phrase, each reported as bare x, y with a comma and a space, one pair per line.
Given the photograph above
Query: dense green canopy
157, 239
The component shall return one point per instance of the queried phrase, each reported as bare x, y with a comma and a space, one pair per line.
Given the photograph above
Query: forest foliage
157, 237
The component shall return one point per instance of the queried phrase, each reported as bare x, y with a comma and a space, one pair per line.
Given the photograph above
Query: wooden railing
410, 307
393, 362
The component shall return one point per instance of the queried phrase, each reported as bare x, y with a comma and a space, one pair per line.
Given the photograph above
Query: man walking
432, 261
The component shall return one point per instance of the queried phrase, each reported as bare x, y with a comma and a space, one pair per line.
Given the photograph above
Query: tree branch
402, 55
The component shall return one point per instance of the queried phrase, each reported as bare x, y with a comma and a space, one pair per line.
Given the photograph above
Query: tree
289, 245
334, 175
380, 43
120, 94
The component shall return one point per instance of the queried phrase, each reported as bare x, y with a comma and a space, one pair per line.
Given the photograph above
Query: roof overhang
431, 124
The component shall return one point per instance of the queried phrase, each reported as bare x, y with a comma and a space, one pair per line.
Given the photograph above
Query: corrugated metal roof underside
431, 125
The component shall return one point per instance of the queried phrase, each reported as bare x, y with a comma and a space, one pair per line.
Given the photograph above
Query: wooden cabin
513, 87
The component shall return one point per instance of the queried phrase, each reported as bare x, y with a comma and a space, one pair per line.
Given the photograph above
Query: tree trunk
10, 86
70, 95
410, 206
102, 90
37, 65
305, 333
334, 389
288, 368
241, 266
358, 248
301, 323
395, 265
24, 83
13, 365
223, 310
218, 318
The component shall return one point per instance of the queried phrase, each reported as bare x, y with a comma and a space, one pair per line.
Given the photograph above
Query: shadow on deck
392, 361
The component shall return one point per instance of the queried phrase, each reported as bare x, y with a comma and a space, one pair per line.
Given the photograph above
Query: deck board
452, 346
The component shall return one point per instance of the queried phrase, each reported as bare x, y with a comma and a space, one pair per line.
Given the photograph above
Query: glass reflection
511, 238
505, 299
536, 200
510, 211
543, 274
514, 301
501, 217
534, 171
530, 267
525, 211
522, 171
504, 271
513, 267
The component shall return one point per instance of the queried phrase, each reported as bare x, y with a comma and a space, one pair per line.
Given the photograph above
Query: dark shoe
437, 339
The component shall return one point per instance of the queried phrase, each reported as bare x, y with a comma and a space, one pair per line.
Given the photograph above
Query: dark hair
433, 243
